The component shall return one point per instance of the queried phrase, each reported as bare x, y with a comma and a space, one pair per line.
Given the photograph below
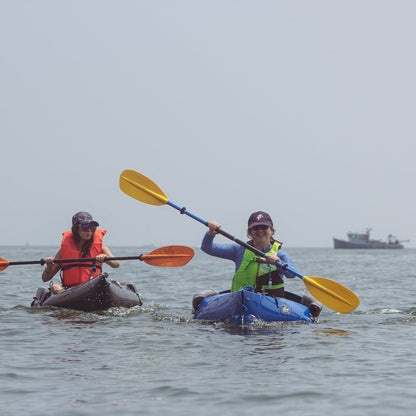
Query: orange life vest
77, 273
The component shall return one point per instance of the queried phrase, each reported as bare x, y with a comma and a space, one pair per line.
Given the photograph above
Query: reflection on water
332, 332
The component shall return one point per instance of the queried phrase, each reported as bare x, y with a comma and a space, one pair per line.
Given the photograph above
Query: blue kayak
246, 306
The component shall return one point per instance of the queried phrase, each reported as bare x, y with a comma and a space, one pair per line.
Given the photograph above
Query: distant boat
363, 240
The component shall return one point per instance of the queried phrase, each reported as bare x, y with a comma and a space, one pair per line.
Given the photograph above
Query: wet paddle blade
142, 188
4, 264
332, 294
169, 256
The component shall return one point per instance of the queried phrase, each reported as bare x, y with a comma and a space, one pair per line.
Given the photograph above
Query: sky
303, 109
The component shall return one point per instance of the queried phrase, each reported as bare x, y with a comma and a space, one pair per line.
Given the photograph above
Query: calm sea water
155, 359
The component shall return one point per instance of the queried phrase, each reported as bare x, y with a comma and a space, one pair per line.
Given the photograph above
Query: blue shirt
233, 251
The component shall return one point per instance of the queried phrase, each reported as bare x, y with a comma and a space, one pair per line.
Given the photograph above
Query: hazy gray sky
304, 109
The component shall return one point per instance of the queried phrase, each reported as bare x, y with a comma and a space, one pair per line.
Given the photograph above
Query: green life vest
257, 274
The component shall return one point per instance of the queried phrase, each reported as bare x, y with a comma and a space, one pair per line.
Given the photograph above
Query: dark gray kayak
97, 294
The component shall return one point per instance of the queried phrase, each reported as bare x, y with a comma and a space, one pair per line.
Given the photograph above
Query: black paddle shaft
83, 259
224, 233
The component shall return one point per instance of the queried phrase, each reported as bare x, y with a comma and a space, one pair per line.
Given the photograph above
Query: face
262, 234
86, 230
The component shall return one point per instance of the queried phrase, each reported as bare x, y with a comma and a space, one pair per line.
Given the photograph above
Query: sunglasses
260, 227
86, 227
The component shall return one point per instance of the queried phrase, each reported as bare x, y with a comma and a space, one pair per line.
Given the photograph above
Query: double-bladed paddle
169, 256
332, 294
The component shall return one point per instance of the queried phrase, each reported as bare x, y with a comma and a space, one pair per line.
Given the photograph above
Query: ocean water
155, 359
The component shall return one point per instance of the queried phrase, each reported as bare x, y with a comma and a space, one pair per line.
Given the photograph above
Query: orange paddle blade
169, 256
4, 264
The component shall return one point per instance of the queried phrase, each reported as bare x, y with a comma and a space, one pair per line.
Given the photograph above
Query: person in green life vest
250, 270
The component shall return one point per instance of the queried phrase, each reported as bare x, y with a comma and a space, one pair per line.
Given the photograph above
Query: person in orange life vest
84, 240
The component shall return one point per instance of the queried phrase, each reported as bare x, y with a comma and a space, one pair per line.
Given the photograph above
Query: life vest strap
68, 266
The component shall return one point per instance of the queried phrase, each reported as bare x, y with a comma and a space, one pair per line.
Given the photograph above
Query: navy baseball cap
83, 218
259, 218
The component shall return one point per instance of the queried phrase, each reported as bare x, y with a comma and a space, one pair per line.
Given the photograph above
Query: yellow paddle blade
4, 264
169, 256
142, 188
332, 294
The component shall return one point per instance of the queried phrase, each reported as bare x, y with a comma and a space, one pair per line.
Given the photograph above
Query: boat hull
372, 244
245, 306
97, 294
